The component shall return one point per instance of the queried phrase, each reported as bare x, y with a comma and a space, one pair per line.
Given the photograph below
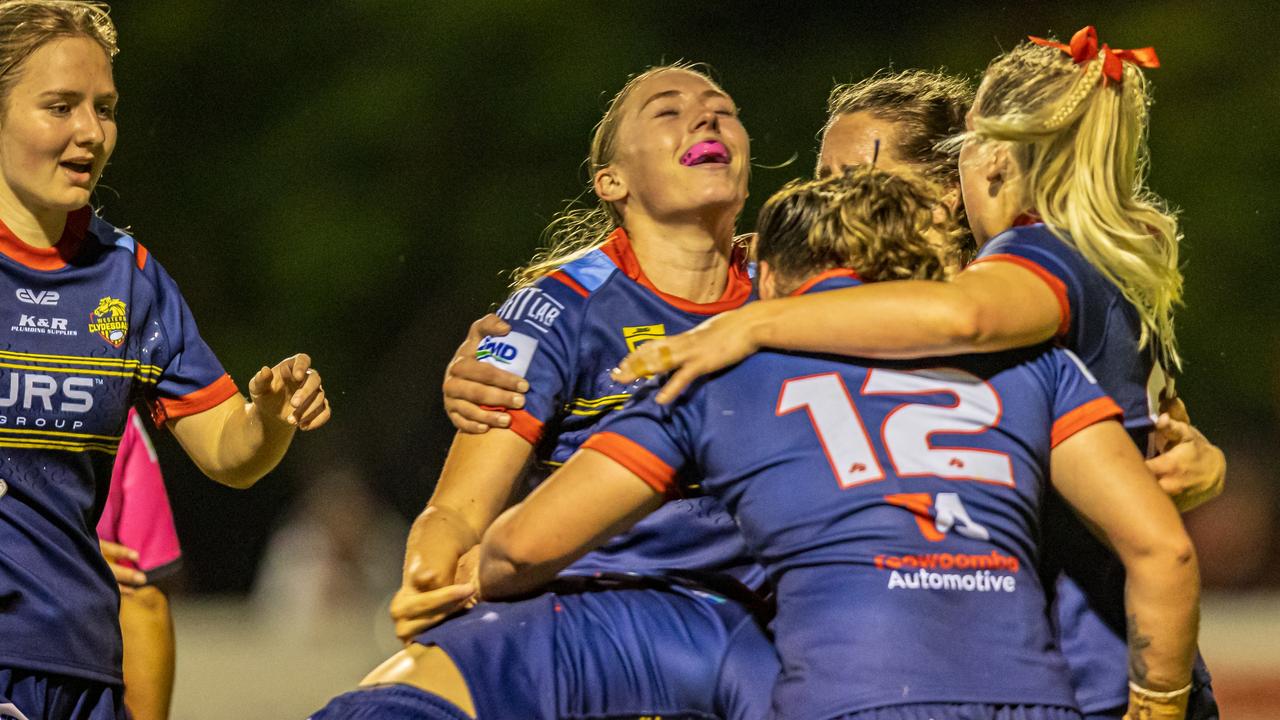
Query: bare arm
585, 503
1101, 474
476, 483
237, 442
147, 629
988, 307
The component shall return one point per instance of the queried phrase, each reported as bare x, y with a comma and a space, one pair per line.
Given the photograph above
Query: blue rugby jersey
569, 329
896, 510
1102, 328
88, 326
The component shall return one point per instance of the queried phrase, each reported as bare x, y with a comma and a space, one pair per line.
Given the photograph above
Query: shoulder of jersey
587, 274
112, 237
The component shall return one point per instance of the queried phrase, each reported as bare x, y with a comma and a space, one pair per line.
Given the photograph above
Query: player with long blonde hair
1073, 246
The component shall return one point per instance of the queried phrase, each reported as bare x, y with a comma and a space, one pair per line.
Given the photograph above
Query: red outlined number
840, 430
906, 434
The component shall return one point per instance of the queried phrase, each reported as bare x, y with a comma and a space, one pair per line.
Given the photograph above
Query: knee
427, 668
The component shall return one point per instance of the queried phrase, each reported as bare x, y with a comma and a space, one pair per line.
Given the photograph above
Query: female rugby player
649, 625
94, 322
898, 514
1073, 247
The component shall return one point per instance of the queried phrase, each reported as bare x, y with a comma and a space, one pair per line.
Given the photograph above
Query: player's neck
41, 230
689, 261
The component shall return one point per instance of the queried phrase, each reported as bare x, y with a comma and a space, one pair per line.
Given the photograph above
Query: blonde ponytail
1083, 147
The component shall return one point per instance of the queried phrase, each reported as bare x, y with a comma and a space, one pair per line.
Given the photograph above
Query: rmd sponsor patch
511, 352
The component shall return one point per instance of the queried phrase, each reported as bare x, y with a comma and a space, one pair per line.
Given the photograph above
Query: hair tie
1084, 48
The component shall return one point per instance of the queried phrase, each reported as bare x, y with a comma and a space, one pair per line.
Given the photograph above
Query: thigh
633, 653
427, 668
504, 653
611, 654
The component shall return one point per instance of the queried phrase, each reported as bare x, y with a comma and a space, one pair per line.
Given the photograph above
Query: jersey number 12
906, 431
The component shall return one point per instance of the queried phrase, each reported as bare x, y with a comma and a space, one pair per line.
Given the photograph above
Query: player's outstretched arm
988, 307
236, 443
1100, 473
475, 392
585, 503
477, 482
1190, 469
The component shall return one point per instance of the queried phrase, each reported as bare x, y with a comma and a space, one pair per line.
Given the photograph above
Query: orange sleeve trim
570, 282
141, 255
525, 425
1055, 284
655, 473
215, 393
1090, 413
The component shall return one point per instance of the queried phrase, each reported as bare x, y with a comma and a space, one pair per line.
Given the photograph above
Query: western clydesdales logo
110, 320
641, 334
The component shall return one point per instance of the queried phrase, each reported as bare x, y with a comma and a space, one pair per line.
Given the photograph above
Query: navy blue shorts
26, 695
965, 711
676, 653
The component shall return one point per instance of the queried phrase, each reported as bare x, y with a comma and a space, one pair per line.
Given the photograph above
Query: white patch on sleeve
511, 352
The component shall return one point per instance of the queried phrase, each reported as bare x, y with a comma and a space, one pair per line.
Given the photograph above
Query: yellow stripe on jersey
60, 445
603, 400
82, 360
137, 372
597, 406
60, 433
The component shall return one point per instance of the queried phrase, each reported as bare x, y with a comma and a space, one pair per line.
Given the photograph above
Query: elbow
963, 325
1173, 556
510, 565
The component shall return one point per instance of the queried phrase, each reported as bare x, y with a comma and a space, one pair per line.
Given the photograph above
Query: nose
707, 119
88, 130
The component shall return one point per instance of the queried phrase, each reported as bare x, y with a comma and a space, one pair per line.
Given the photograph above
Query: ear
952, 199
766, 281
999, 165
609, 185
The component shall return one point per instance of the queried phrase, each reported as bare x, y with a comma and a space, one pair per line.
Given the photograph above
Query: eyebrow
113, 95
673, 93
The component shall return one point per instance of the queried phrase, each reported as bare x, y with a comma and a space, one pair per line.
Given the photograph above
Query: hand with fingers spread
291, 393
721, 341
475, 393
1190, 469
128, 578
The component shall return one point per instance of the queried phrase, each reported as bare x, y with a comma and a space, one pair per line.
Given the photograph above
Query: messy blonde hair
1083, 147
577, 231
872, 221
25, 25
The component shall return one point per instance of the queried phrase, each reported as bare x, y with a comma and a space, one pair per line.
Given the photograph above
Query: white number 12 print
907, 429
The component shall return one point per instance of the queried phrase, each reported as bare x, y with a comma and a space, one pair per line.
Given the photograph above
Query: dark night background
352, 179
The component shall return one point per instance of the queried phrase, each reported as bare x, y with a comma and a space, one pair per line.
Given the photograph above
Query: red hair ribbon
1084, 47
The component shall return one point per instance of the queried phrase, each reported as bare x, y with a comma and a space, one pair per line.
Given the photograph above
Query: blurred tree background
352, 178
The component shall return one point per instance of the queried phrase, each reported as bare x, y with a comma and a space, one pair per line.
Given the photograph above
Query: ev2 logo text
37, 297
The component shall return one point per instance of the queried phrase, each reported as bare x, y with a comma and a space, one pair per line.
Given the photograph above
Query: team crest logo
641, 334
110, 320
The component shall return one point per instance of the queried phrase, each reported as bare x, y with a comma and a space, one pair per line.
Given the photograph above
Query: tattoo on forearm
1137, 644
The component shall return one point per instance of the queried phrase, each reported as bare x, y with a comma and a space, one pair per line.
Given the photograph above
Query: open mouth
84, 167
707, 151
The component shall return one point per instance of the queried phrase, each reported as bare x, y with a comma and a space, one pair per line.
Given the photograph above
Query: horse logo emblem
110, 320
